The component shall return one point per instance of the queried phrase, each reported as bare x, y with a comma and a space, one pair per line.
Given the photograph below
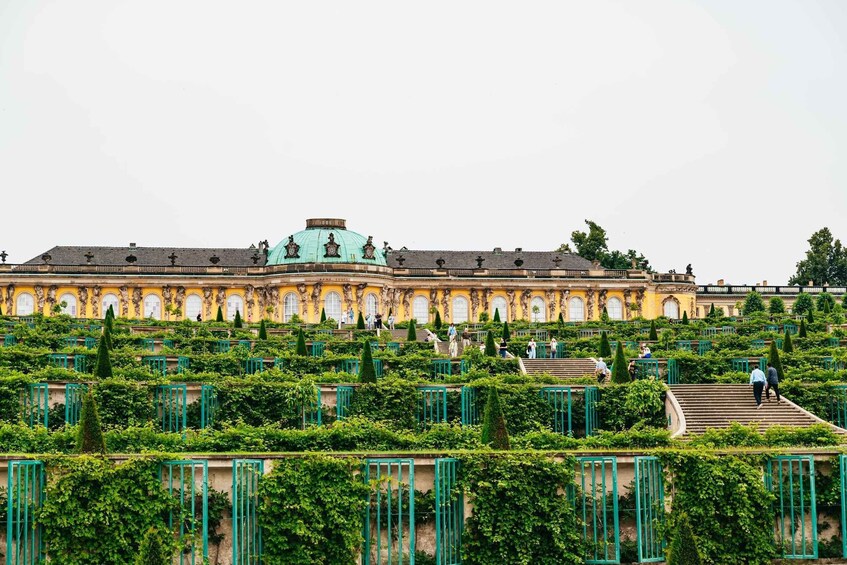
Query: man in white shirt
757, 379
530, 349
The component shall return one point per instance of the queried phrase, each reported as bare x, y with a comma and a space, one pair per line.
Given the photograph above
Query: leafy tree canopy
594, 245
825, 262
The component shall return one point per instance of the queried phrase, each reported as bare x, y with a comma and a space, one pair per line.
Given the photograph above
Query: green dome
315, 245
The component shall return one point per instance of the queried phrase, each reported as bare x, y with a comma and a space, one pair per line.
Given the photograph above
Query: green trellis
649, 509
389, 525
343, 397
158, 364
560, 400
597, 506
191, 521
36, 404
791, 478
432, 404
592, 419
25, 490
246, 531
470, 408
208, 405
449, 513
73, 402
171, 404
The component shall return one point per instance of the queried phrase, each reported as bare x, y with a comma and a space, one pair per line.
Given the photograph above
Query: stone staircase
562, 368
717, 405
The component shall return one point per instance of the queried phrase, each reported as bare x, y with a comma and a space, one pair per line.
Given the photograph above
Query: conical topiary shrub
237, 323
683, 547
437, 322
367, 373
323, 315
685, 318
787, 346
653, 335
711, 311
490, 348
604, 315
103, 365
620, 374
494, 432
220, 315
301, 343
411, 335
89, 435
155, 548
811, 316
360, 322
507, 335
802, 332
605, 348
496, 316
773, 357
561, 320
263, 330
107, 337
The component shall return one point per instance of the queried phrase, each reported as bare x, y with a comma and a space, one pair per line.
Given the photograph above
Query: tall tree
803, 304
437, 323
103, 366
753, 303
494, 430
89, 435
593, 245
802, 332
773, 357
323, 315
496, 315
825, 302
685, 317
360, 322
825, 262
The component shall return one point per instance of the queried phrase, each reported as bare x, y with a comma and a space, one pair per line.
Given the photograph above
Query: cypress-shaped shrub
411, 335
773, 357
494, 430
653, 335
683, 548
496, 316
605, 348
323, 315
263, 330
811, 315
360, 322
220, 315
561, 320
437, 322
787, 346
685, 317
367, 373
109, 321
237, 323
89, 435
301, 343
490, 348
155, 548
802, 332
604, 315
712, 310
620, 374
507, 335
107, 337
103, 366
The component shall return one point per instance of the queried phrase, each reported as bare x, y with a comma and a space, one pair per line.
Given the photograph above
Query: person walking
454, 346
466, 338
772, 384
451, 331
391, 321
530, 349
600, 370
757, 379
553, 345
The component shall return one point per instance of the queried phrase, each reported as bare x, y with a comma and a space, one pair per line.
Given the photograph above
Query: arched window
460, 310
576, 309
153, 307
234, 303
370, 305
499, 303
332, 305
537, 310
671, 309
25, 305
420, 309
290, 305
70, 304
111, 300
615, 309
193, 306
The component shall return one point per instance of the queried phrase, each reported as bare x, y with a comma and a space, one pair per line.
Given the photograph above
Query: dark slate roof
150, 256
532, 260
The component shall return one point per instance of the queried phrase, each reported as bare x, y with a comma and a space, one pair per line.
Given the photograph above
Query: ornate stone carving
51, 295
445, 302
136, 302
292, 250
82, 295
563, 303
639, 299
551, 304
691, 306
474, 304
179, 298
407, 301
220, 297
167, 295
433, 298
207, 301
316, 297
383, 300
486, 299
249, 300
627, 299
262, 297
39, 298
589, 299
601, 300
513, 307
304, 300
368, 249
273, 299
124, 291
95, 301
525, 296
347, 292
10, 301
331, 247
360, 294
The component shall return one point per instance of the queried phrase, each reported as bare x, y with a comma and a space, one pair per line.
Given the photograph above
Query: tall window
70, 304
460, 310
499, 303
193, 306
234, 303
671, 309
332, 305
25, 305
576, 309
290, 305
537, 310
153, 307
371, 305
615, 309
112, 300
420, 309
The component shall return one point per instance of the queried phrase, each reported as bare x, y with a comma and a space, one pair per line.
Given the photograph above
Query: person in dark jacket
773, 383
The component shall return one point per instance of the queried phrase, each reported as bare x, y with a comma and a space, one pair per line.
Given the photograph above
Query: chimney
764, 283
132, 244
498, 250
518, 249
720, 282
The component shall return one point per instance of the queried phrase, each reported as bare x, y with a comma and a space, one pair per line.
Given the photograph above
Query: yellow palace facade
328, 267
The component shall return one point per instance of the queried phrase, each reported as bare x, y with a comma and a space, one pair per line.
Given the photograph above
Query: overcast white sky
706, 132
